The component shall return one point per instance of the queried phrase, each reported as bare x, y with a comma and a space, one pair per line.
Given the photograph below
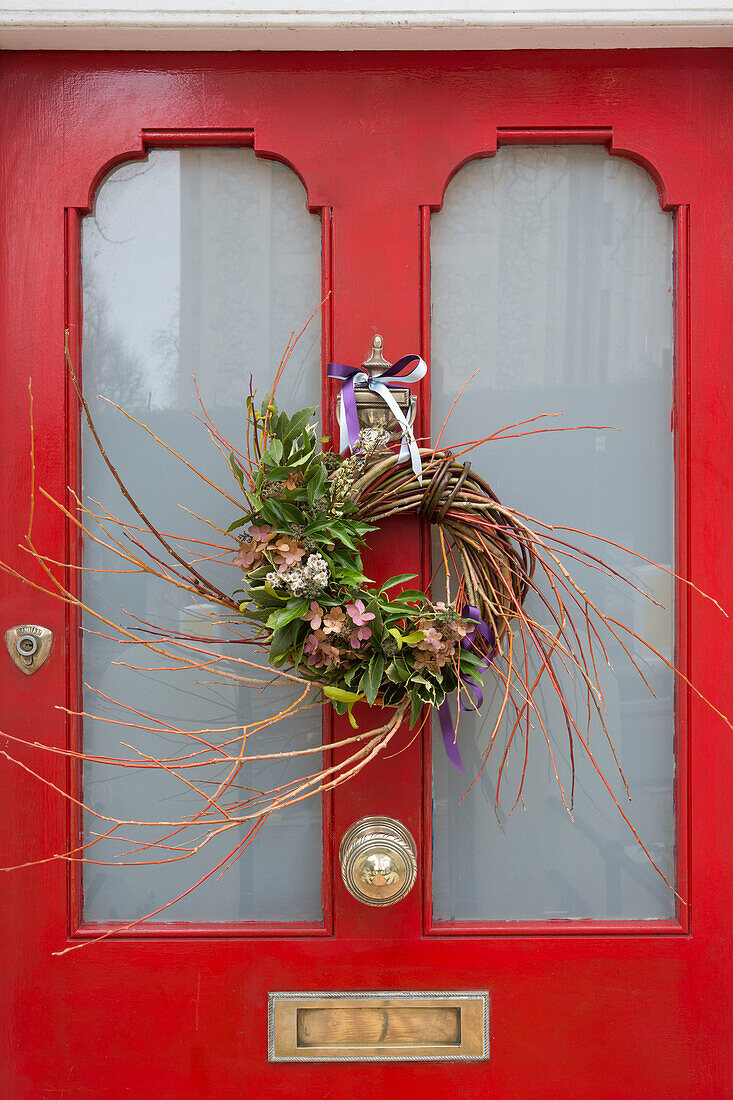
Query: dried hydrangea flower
249, 556
454, 630
435, 648
262, 534
432, 640
287, 552
314, 615
335, 621
318, 652
451, 624
358, 613
359, 635
428, 660
294, 480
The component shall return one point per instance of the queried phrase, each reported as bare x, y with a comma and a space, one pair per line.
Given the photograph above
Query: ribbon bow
446, 718
348, 417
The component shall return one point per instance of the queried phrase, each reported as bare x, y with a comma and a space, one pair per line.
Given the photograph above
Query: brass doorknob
378, 860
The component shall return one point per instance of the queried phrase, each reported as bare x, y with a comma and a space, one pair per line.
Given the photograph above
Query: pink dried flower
451, 624
249, 556
318, 652
287, 552
262, 534
314, 615
432, 639
335, 621
456, 629
361, 634
358, 613
428, 660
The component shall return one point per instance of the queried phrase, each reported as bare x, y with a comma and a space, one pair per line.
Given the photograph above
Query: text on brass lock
28, 646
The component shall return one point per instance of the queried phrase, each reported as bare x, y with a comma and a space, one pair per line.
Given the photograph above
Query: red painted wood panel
374, 137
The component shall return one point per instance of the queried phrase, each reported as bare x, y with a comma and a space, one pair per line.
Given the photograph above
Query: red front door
619, 1001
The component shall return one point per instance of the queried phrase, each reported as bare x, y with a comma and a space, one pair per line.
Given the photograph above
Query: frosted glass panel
194, 262
552, 274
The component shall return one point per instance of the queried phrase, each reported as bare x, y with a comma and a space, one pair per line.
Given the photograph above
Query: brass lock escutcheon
378, 860
29, 646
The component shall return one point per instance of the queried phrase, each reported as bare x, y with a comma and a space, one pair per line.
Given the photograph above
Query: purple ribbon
444, 713
349, 418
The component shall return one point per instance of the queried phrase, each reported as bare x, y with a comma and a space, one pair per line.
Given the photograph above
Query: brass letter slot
378, 1027
384, 1027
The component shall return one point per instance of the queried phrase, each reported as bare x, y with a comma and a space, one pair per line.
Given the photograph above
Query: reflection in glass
199, 263
552, 274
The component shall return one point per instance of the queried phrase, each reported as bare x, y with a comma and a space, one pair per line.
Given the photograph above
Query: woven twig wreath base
488, 547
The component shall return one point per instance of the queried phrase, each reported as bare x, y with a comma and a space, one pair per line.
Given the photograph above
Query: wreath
310, 511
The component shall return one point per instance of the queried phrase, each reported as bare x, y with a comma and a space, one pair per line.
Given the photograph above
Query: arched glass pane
196, 263
552, 274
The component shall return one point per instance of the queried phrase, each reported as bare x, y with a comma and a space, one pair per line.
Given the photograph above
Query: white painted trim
343, 27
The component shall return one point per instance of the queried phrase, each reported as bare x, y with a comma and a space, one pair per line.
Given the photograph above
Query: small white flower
300, 579
317, 569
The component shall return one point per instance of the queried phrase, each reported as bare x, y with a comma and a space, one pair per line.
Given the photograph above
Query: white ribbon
408, 444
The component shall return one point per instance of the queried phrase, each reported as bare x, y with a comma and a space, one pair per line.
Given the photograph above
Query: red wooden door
578, 1008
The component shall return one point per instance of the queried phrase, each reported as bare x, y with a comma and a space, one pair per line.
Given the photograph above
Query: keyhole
27, 646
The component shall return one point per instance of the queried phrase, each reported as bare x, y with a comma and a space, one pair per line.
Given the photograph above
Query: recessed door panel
552, 275
197, 264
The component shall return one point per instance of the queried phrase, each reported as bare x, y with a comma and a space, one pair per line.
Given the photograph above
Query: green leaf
412, 639
238, 523
409, 595
271, 513
416, 706
296, 423
349, 577
342, 535
274, 447
372, 678
472, 664
274, 592
282, 642
348, 697
397, 671
399, 579
291, 512
396, 635
351, 673
236, 469
302, 460
316, 483
294, 610
342, 695
418, 679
